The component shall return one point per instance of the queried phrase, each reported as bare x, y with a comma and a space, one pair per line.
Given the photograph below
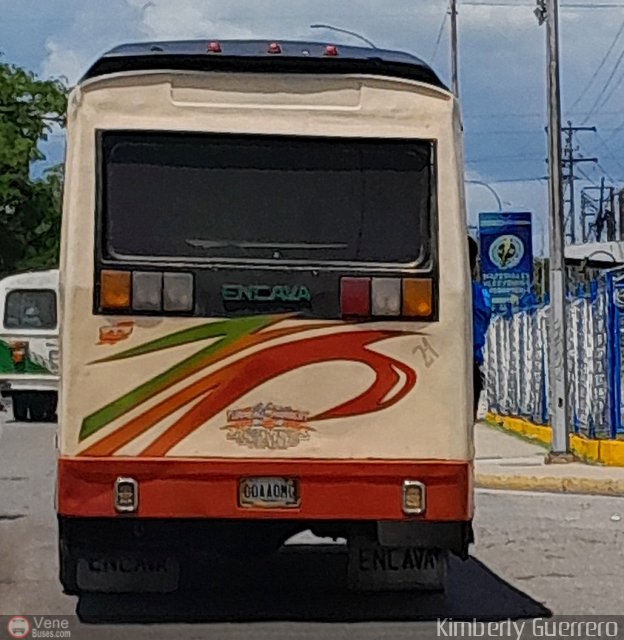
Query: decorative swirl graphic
218, 390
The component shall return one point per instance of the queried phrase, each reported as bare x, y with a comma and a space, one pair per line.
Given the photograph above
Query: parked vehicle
29, 344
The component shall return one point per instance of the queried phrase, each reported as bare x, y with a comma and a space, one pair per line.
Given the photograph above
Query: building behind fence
516, 359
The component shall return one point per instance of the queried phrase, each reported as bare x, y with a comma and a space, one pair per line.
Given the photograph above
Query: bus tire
67, 571
42, 405
37, 407
20, 406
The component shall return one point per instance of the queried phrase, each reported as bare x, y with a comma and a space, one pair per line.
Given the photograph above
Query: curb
606, 452
583, 486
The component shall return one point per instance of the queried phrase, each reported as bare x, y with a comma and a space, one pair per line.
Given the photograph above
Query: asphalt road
535, 554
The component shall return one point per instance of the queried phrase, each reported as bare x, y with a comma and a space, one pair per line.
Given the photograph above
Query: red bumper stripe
208, 488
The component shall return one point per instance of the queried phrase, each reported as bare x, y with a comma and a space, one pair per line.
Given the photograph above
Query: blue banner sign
507, 257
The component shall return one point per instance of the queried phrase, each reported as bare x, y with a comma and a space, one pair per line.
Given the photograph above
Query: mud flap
112, 573
375, 567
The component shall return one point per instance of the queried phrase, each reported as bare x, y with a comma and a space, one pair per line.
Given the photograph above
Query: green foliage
30, 209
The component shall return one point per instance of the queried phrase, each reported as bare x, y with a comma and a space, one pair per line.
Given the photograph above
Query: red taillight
214, 47
386, 298
355, 297
274, 48
331, 50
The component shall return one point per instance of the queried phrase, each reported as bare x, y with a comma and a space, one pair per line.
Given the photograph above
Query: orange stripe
243, 375
131, 430
207, 488
135, 427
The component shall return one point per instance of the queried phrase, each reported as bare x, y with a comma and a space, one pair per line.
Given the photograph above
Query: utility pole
570, 161
613, 228
454, 50
621, 210
586, 204
548, 11
600, 224
601, 209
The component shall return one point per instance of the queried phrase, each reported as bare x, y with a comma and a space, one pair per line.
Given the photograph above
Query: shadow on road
308, 583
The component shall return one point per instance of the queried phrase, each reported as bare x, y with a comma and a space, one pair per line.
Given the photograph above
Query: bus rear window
215, 197
30, 309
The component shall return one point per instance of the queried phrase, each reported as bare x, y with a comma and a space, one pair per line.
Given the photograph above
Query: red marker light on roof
274, 48
331, 50
214, 47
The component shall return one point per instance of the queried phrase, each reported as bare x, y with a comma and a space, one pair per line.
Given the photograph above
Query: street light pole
355, 34
454, 50
548, 11
490, 189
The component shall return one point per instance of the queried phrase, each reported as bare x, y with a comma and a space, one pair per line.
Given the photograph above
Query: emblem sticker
266, 426
113, 334
506, 252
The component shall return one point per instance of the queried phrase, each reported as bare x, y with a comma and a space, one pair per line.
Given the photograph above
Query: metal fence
516, 359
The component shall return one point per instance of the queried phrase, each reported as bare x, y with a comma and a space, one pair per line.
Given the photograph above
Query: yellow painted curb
521, 427
606, 452
585, 449
549, 484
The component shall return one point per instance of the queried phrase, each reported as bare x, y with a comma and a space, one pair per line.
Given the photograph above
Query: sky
502, 68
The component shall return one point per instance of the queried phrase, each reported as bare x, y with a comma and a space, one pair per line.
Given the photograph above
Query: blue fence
516, 359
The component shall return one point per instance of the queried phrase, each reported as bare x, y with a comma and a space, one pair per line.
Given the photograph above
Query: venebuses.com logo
18, 627
38, 627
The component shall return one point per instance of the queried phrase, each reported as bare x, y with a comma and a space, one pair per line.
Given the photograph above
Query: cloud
502, 63
62, 62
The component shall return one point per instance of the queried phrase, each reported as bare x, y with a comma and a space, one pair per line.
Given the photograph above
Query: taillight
274, 48
115, 290
386, 297
178, 292
417, 297
331, 50
214, 47
355, 297
146, 291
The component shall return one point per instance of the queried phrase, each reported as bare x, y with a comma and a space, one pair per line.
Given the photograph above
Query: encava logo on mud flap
265, 293
266, 426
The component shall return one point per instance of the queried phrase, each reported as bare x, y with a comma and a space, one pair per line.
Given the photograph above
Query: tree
30, 209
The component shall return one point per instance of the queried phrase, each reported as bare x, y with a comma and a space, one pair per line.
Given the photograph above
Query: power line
610, 152
518, 132
605, 87
535, 114
615, 87
502, 180
588, 178
601, 5
600, 66
439, 38
504, 159
605, 172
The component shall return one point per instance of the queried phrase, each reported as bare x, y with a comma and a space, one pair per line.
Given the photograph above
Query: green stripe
230, 332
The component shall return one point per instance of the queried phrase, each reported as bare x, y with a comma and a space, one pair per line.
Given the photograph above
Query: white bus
29, 350
266, 313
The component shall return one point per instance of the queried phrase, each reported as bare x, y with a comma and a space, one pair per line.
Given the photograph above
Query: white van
29, 346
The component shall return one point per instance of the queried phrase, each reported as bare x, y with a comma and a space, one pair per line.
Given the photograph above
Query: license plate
124, 574
373, 567
268, 493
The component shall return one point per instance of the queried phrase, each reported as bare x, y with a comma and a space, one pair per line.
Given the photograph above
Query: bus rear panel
265, 313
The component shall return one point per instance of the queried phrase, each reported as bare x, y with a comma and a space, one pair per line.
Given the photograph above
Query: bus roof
262, 56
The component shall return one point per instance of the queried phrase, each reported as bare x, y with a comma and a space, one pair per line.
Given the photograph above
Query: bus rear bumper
369, 490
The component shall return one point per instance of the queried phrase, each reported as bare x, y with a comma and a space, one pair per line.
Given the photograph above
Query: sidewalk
505, 461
